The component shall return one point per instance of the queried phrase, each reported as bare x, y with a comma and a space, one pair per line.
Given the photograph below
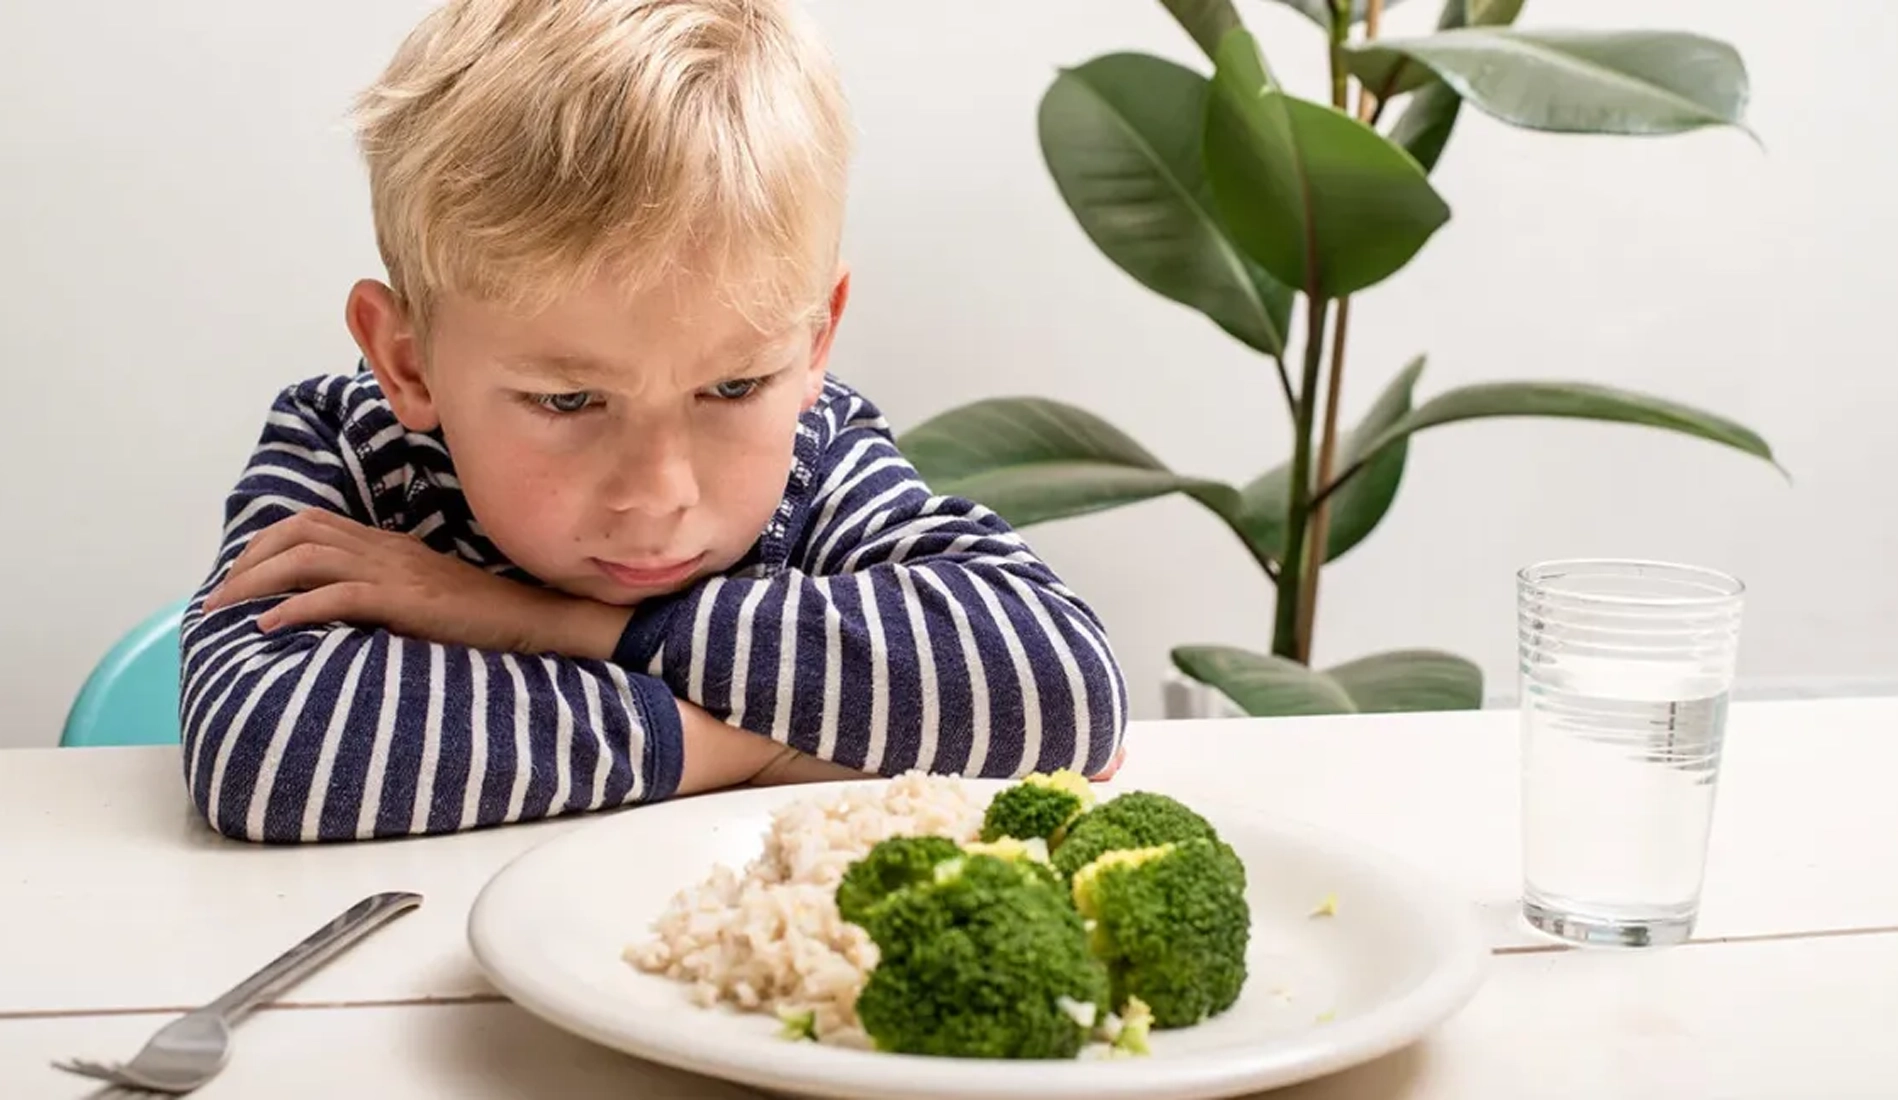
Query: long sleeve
338, 732
902, 629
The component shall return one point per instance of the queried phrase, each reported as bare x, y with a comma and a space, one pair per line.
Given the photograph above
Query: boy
592, 527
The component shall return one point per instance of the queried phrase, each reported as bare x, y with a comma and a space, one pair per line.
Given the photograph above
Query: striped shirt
874, 624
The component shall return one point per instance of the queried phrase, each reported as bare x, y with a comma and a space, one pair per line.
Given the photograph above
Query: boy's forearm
578, 627
415, 736
718, 755
979, 667
792, 766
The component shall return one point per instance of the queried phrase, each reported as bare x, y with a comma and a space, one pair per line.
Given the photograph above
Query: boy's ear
822, 341
388, 341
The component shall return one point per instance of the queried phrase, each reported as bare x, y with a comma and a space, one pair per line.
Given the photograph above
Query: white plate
1323, 993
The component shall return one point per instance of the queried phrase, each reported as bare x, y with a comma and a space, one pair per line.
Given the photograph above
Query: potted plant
1227, 193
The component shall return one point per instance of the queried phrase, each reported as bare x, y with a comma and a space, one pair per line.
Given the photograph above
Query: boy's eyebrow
748, 365
581, 371
756, 359
574, 370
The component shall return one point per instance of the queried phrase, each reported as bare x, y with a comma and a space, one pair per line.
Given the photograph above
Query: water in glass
1626, 671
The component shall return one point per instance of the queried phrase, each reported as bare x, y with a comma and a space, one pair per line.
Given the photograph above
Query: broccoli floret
1171, 923
1138, 819
1039, 807
1012, 849
891, 865
1031, 853
985, 960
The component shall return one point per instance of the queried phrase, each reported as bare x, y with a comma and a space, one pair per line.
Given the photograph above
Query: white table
121, 907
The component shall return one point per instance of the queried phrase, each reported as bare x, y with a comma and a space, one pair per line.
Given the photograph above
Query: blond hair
519, 147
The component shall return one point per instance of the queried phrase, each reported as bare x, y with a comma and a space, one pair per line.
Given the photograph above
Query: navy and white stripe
875, 624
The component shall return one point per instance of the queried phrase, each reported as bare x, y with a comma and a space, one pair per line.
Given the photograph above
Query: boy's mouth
651, 572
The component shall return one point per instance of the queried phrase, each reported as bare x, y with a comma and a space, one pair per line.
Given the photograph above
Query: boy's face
617, 449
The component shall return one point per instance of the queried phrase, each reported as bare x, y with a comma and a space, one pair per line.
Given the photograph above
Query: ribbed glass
1625, 671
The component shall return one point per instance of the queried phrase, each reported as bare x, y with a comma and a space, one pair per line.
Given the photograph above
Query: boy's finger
305, 527
350, 601
267, 544
298, 568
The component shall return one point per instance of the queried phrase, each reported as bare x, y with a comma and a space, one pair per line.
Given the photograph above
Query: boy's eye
736, 389
564, 402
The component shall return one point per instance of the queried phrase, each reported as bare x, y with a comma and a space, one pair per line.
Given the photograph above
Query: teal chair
131, 697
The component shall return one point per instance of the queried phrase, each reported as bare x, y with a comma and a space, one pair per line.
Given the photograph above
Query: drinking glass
1625, 669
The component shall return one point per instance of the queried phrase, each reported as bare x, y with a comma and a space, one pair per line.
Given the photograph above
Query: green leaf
1387, 73
1121, 137
1490, 13
1401, 680
1358, 507
1479, 13
1206, 20
1034, 460
1392, 73
1320, 200
1411, 680
1598, 82
1424, 128
1319, 11
1574, 400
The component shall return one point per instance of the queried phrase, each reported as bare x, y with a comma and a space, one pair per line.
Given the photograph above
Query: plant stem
1285, 386
1326, 488
1314, 555
1369, 105
1263, 559
1285, 625
1340, 30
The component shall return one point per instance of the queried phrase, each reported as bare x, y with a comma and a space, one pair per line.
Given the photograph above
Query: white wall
181, 213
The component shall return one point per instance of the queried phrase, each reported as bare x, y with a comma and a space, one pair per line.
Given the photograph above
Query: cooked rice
771, 940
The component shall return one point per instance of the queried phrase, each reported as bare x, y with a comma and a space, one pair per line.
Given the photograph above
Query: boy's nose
653, 474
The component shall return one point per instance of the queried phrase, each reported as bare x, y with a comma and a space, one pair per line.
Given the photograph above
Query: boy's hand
1120, 755
345, 571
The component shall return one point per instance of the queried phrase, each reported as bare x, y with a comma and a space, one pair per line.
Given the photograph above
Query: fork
189, 1051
